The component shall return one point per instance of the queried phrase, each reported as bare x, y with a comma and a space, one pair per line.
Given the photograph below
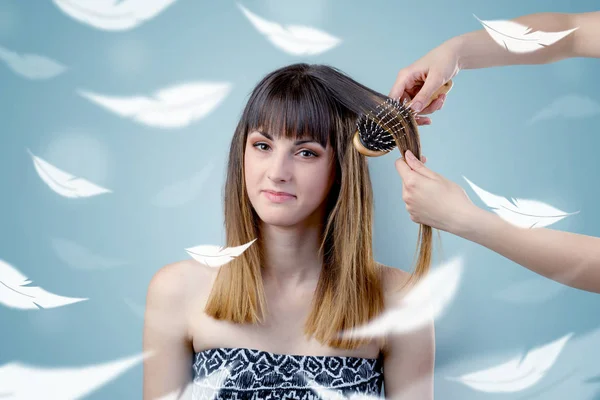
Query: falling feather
14, 293
538, 290
569, 377
207, 387
173, 107
23, 382
184, 191
323, 392
518, 373
328, 394
216, 256
568, 106
64, 183
293, 39
31, 66
426, 301
518, 38
523, 213
79, 257
112, 15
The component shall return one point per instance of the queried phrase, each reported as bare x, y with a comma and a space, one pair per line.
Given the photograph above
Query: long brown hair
322, 103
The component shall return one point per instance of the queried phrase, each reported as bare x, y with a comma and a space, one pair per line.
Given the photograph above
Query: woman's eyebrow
296, 143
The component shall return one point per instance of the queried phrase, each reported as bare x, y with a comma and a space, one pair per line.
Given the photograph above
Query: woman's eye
260, 144
310, 153
305, 153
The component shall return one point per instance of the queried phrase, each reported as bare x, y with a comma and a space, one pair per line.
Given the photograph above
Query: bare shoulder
393, 278
178, 282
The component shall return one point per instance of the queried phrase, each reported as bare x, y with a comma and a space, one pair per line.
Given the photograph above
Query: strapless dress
250, 374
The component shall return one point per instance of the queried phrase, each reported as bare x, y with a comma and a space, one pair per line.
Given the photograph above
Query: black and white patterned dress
251, 374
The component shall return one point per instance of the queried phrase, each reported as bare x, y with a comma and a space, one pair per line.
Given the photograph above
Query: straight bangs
294, 107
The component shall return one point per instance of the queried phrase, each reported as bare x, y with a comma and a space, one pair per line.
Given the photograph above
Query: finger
398, 87
418, 166
434, 106
432, 83
423, 120
411, 90
403, 169
406, 97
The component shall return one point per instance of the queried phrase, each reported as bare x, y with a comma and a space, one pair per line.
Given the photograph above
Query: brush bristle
377, 131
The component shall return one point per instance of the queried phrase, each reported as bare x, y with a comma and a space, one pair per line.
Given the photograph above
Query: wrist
459, 47
469, 222
477, 49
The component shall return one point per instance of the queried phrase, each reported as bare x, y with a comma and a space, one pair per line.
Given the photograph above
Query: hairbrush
377, 133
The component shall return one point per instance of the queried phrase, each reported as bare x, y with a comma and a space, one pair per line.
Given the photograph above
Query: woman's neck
291, 259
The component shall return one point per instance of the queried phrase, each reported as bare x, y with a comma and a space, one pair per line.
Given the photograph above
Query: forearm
568, 258
478, 50
586, 39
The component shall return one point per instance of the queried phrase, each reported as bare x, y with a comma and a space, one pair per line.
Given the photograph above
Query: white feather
425, 302
322, 392
64, 183
569, 106
14, 293
540, 289
574, 375
173, 107
210, 386
534, 290
184, 191
293, 39
523, 213
24, 382
518, 373
518, 38
31, 66
79, 257
328, 394
216, 256
207, 387
112, 15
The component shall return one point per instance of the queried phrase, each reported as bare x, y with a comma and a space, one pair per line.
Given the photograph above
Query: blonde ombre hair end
322, 103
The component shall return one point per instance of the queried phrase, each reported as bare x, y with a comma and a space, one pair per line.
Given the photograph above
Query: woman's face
301, 168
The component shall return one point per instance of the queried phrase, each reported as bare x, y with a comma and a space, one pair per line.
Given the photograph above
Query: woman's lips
278, 197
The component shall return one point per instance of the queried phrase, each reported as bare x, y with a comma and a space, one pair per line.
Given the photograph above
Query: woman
568, 258
273, 315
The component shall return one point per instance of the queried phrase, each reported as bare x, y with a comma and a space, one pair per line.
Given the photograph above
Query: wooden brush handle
445, 88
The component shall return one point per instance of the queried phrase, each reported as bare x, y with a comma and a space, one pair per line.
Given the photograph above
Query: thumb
403, 168
418, 166
432, 83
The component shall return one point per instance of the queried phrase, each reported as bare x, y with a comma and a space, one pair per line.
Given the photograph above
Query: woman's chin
281, 221
278, 217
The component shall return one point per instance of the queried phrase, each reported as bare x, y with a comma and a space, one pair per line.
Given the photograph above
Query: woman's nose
280, 167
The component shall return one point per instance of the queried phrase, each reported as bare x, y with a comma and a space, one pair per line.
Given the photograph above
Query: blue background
482, 133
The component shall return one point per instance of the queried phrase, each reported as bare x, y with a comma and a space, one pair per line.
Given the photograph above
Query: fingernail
410, 155
416, 106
